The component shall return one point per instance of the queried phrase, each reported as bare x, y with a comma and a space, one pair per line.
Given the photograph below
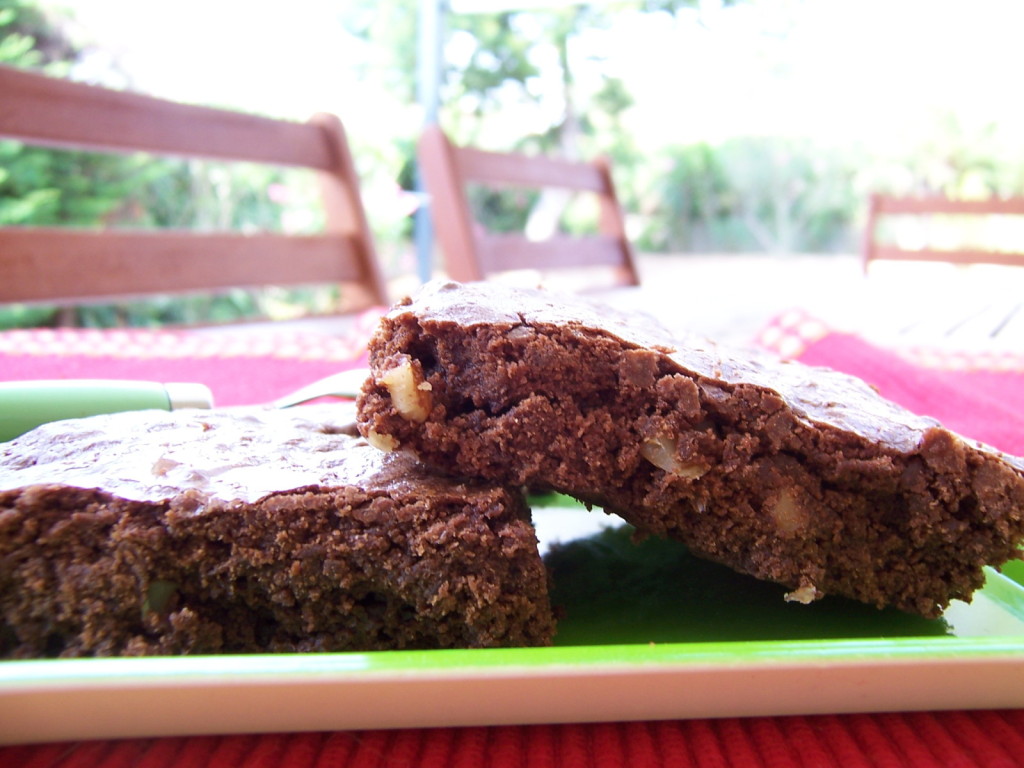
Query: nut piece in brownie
250, 531
802, 476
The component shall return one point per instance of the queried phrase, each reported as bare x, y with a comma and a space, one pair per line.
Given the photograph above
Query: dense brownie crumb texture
250, 531
798, 475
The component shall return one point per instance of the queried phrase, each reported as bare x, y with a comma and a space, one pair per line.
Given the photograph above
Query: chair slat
37, 263
527, 170
943, 205
508, 252
965, 256
67, 114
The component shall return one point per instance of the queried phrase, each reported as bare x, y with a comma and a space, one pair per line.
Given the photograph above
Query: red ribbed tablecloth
981, 398
926, 739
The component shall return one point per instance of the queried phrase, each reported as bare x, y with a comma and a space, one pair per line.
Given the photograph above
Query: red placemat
979, 395
240, 368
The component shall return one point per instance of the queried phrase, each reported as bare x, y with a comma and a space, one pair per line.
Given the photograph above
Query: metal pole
428, 88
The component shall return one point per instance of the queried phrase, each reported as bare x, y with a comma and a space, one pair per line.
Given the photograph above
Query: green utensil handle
24, 405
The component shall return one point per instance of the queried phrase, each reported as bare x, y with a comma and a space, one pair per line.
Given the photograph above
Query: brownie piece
803, 476
249, 531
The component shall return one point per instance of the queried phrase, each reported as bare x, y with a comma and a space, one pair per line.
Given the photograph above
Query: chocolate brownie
799, 475
251, 531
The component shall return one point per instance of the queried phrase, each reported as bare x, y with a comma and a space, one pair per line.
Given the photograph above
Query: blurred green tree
764, 193
47, 187
39, 186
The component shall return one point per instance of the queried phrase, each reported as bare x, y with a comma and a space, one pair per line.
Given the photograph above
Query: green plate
647, 632
611, 590
1015, 570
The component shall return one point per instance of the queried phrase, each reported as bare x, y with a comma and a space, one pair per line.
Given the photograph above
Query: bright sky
873, 69
285, 59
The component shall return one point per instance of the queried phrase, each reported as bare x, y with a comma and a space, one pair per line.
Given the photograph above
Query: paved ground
731, 297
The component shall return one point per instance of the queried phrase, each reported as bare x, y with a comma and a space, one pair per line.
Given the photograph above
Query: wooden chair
472, 253
59, 265
882, 207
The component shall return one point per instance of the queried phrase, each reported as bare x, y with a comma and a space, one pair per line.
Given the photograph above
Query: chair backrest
882, 207
472, 253
65, 265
